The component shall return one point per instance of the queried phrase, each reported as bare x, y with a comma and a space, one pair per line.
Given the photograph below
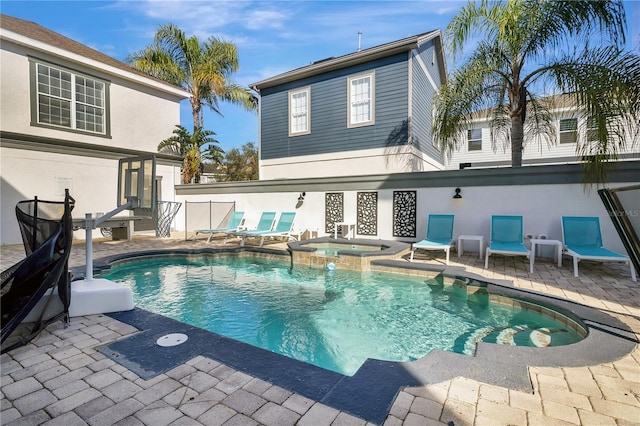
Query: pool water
335, 320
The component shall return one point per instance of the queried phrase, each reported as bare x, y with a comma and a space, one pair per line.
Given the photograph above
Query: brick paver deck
60, 378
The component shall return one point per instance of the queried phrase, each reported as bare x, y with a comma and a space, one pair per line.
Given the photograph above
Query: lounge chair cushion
588, 251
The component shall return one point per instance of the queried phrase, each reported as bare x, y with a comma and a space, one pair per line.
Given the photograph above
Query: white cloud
260, 19
206, 17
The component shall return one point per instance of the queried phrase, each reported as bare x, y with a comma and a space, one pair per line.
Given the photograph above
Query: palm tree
202, 68
194, 148
529, 48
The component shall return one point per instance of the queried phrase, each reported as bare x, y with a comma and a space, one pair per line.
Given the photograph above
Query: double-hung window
299, 112
474, 139
69, 100
361, 96
568, 130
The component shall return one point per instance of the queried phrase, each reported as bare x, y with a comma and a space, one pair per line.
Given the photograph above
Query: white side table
536, 242
478, 238
351, 229
313, 233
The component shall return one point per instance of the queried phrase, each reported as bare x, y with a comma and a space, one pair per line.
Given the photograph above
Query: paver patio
61, 379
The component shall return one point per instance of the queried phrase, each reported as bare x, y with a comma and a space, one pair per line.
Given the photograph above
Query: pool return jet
136, 190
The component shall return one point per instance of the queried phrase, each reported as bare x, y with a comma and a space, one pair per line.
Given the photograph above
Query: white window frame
73, 98
372, 98
472, 140
306, 113
573, 131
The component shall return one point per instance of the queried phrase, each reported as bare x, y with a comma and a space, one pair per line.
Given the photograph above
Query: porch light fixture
300, 200
457, 196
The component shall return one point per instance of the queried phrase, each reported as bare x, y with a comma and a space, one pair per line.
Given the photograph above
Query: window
361, 100
65, 99
568, 130
474, 137
299, 112
592, 130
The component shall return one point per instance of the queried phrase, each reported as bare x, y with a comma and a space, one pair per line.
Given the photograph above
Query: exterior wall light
300, 200
457, 196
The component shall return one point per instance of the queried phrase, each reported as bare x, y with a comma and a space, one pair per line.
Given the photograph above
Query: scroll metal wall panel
367, 213
334, 210
404, 213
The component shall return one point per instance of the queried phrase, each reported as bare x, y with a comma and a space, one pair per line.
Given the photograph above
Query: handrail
620, 218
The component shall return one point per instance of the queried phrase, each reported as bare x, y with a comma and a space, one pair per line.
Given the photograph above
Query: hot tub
355, 254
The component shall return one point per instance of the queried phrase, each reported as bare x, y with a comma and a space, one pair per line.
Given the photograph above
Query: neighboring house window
592, 130
361, 94
66, 99
474, 137
568, 130
299, 112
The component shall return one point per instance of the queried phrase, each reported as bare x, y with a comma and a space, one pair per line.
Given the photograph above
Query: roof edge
9, 35
350, 59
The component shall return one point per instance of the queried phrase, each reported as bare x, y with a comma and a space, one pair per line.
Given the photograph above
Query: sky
272, 37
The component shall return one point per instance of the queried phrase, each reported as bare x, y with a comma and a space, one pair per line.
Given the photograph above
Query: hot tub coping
389, 247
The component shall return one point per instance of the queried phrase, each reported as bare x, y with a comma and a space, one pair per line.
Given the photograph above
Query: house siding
497, 151
328, 115
422, 93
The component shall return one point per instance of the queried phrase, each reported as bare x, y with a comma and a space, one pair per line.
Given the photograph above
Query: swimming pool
335, 320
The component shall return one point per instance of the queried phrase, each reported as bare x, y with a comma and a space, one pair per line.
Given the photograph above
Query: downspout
255, 88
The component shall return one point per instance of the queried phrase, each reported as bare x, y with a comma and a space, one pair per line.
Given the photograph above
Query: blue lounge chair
234, 223
507, 237
439, 235
283, 228
264, 225
582, 239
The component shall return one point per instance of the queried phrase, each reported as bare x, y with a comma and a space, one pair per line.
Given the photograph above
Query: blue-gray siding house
368, 112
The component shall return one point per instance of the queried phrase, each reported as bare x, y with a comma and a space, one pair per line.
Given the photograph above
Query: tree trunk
517, 137
186, 170
195, 108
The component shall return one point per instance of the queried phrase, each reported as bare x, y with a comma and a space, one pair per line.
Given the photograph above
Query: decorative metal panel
367, 213
333, 210
404, 213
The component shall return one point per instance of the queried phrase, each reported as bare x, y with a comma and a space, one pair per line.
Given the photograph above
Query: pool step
517, 335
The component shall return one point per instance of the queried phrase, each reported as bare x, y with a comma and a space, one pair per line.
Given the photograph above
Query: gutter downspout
255, 88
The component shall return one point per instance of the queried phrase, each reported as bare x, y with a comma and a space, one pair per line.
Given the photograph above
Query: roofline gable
367, 55
36, 37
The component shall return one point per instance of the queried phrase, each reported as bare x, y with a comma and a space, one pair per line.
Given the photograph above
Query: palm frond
469, 21
473, 91
203, 68
539, 125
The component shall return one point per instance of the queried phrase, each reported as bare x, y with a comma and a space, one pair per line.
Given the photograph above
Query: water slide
47, 234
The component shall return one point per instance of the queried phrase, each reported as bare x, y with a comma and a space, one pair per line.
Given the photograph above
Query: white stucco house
69, 113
